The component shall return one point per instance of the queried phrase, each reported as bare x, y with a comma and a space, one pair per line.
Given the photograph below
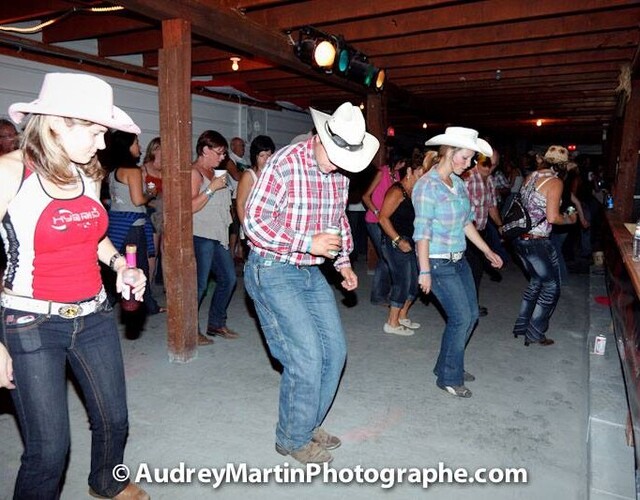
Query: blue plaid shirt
441, 213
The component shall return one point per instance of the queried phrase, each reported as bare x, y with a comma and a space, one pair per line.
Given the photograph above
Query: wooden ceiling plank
237, 31
519, 73
510, 64
460, 15
16, 12
140, 42
508, 32
615, 39
306, 13
87, 26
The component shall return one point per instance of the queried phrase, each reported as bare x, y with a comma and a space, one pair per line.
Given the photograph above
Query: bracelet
394, 241
208, 192
114, 257
424, 272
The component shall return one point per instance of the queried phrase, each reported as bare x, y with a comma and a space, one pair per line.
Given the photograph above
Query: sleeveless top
377, 197
213, 220
121, 199
51, 243
404, 215
536, 203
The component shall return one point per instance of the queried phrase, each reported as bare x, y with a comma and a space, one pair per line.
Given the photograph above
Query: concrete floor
529, 407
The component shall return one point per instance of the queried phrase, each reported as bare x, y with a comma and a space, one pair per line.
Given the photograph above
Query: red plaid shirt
293, 200
482, 196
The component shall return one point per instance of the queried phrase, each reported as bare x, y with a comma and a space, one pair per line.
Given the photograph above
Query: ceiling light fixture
234, 63
332, 54
538, 122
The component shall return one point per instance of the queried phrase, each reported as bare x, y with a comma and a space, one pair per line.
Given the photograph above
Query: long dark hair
117, 153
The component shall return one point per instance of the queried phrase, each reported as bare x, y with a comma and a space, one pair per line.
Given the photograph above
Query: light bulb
234, 63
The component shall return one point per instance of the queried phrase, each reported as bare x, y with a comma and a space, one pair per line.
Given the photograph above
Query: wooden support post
376, 125
625, 182
174, 93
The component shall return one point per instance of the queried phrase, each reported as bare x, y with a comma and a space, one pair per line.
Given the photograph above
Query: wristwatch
208, 192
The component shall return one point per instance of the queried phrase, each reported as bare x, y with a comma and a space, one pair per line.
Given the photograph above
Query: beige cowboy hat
343, 135
461, 137
76, 95
556, 154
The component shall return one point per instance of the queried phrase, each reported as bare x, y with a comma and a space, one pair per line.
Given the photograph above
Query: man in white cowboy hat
295, 219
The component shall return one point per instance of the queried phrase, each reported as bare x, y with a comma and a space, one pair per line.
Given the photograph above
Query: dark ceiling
496, 65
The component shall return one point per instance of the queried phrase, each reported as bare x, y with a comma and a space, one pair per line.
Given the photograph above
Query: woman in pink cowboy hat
54, 308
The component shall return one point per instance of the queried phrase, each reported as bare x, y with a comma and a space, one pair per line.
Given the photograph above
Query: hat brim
351, 161
119, 119
481, 146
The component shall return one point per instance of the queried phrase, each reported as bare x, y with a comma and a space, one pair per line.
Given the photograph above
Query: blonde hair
45, 156
430, 158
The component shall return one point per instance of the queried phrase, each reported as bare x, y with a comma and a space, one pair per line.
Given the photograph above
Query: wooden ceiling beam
232, 30
15, 12
86, 26
622, 19
139, 42
615, 39
516, 74
460, 15
509, 64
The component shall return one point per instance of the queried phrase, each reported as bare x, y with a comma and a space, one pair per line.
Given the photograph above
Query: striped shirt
441, 212
293, 200
482, 196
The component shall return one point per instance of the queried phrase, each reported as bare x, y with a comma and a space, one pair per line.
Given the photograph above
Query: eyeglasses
340, 142
10, 136
219, 152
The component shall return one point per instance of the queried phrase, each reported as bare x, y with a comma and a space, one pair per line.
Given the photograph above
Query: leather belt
48, 307
528, 236
452, 256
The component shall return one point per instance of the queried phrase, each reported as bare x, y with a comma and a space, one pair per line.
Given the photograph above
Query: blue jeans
452, 284
403, 269
539, 300
557, 240
41, 348
211, 256
301, 323
381, 285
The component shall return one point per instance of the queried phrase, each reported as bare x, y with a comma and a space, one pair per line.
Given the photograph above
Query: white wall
20, 81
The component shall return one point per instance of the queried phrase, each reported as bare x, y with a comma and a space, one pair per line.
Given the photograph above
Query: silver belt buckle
70, 311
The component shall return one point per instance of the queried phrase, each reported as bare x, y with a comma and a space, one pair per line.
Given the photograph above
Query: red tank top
52, 244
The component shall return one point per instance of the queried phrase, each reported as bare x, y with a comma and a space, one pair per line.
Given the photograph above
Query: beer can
600, 344
333, 230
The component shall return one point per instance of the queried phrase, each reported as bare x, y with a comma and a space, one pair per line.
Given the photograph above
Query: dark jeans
211, 256
452, 284
404, 273
541, 295
476, 259
358, 232
41, 348
135, 236
381, 285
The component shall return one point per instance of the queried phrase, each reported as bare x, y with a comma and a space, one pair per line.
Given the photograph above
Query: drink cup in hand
333, 230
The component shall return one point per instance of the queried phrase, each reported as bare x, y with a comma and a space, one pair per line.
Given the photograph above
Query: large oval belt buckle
70, 311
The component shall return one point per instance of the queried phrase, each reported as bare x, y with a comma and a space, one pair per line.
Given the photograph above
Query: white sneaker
397, 330
409, 324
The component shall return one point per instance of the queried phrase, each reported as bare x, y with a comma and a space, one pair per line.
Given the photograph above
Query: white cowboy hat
343, 135
76, 95
461, 137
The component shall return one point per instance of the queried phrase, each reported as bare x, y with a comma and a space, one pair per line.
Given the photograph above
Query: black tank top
403, 217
